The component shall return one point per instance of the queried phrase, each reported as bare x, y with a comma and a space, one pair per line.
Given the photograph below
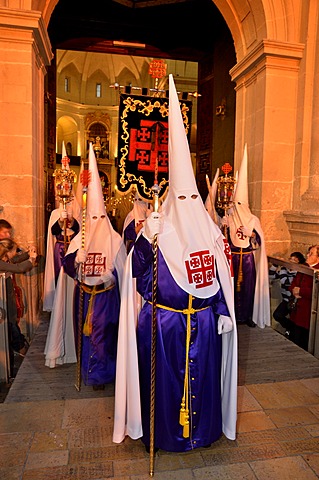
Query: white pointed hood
211, 197
65, 163
241, 215
102, 242
77, 202
139, 212
188, 241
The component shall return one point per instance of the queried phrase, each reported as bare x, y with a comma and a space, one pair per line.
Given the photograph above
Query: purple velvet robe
129, 236
244, 296
204, 358
98, 360
56, 230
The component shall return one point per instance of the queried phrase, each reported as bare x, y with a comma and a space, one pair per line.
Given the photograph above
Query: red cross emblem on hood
200, 269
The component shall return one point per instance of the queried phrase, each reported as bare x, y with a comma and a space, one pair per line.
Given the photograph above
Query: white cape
127, 414
60, 345
49, 275
261, 311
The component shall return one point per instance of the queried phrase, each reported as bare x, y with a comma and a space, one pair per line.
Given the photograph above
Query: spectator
285, 276
301, 288
8, 250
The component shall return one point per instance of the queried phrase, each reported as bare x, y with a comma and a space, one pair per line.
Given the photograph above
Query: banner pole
155, 189
84, 181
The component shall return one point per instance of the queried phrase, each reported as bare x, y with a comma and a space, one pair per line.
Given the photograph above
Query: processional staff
212, 200
225, 190
156, 189
157, 70
64, 179
85, 179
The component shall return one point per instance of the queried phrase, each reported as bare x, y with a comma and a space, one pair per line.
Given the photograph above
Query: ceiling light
118, 43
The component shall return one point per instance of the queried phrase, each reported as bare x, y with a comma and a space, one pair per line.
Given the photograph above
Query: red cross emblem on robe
200, 269
227, 252
240, 234
94, 265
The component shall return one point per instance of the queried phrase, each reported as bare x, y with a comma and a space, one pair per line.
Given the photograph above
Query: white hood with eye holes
189, 238
102, 242
240, 215
139, 212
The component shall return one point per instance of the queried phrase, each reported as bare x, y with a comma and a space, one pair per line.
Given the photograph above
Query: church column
266, 105
303, 217
24, 52
310, 198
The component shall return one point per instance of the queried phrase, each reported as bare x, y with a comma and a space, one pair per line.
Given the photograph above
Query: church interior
248, 71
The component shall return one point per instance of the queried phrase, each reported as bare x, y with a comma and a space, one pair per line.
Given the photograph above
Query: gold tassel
182, 413
240, 272
186, 427
87, 327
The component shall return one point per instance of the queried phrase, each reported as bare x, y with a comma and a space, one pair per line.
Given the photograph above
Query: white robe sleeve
60, 345
261, 310
127, 413
49, 275
229, 348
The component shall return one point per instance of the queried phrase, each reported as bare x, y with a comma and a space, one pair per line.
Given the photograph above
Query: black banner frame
136, 111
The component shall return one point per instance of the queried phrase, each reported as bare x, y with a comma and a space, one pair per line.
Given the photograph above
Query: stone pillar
24, 52
266, 84
303, 217
310, 199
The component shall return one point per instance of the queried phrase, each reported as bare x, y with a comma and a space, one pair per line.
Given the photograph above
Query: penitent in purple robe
98, 358
245, 292
59, 244
129, 235
204, 358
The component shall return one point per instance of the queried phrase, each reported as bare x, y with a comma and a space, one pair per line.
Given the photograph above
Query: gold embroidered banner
143, 142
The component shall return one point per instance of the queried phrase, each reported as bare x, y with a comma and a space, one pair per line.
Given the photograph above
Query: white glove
109, 280
63, 215
245, 231
224, 325
224, 221
32, 253
153, 225
81, 256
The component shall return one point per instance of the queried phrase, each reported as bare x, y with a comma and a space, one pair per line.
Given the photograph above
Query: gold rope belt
184, 411
92, 290
241, 253
61, 241
240, 276
185, 311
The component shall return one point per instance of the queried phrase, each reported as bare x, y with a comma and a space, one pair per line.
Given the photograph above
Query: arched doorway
265, 42
163, 31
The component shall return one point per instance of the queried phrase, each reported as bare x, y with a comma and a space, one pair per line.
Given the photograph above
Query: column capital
270, 53
28, 20
303, 227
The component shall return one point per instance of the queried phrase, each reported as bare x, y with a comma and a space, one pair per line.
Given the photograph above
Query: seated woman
8, 250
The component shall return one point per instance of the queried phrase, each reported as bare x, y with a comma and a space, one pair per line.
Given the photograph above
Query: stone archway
261, 102
275, 75
266, 36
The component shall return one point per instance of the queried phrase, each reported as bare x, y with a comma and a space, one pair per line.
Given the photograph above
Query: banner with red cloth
143, 143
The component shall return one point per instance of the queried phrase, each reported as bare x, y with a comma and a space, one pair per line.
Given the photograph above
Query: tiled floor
50, 431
